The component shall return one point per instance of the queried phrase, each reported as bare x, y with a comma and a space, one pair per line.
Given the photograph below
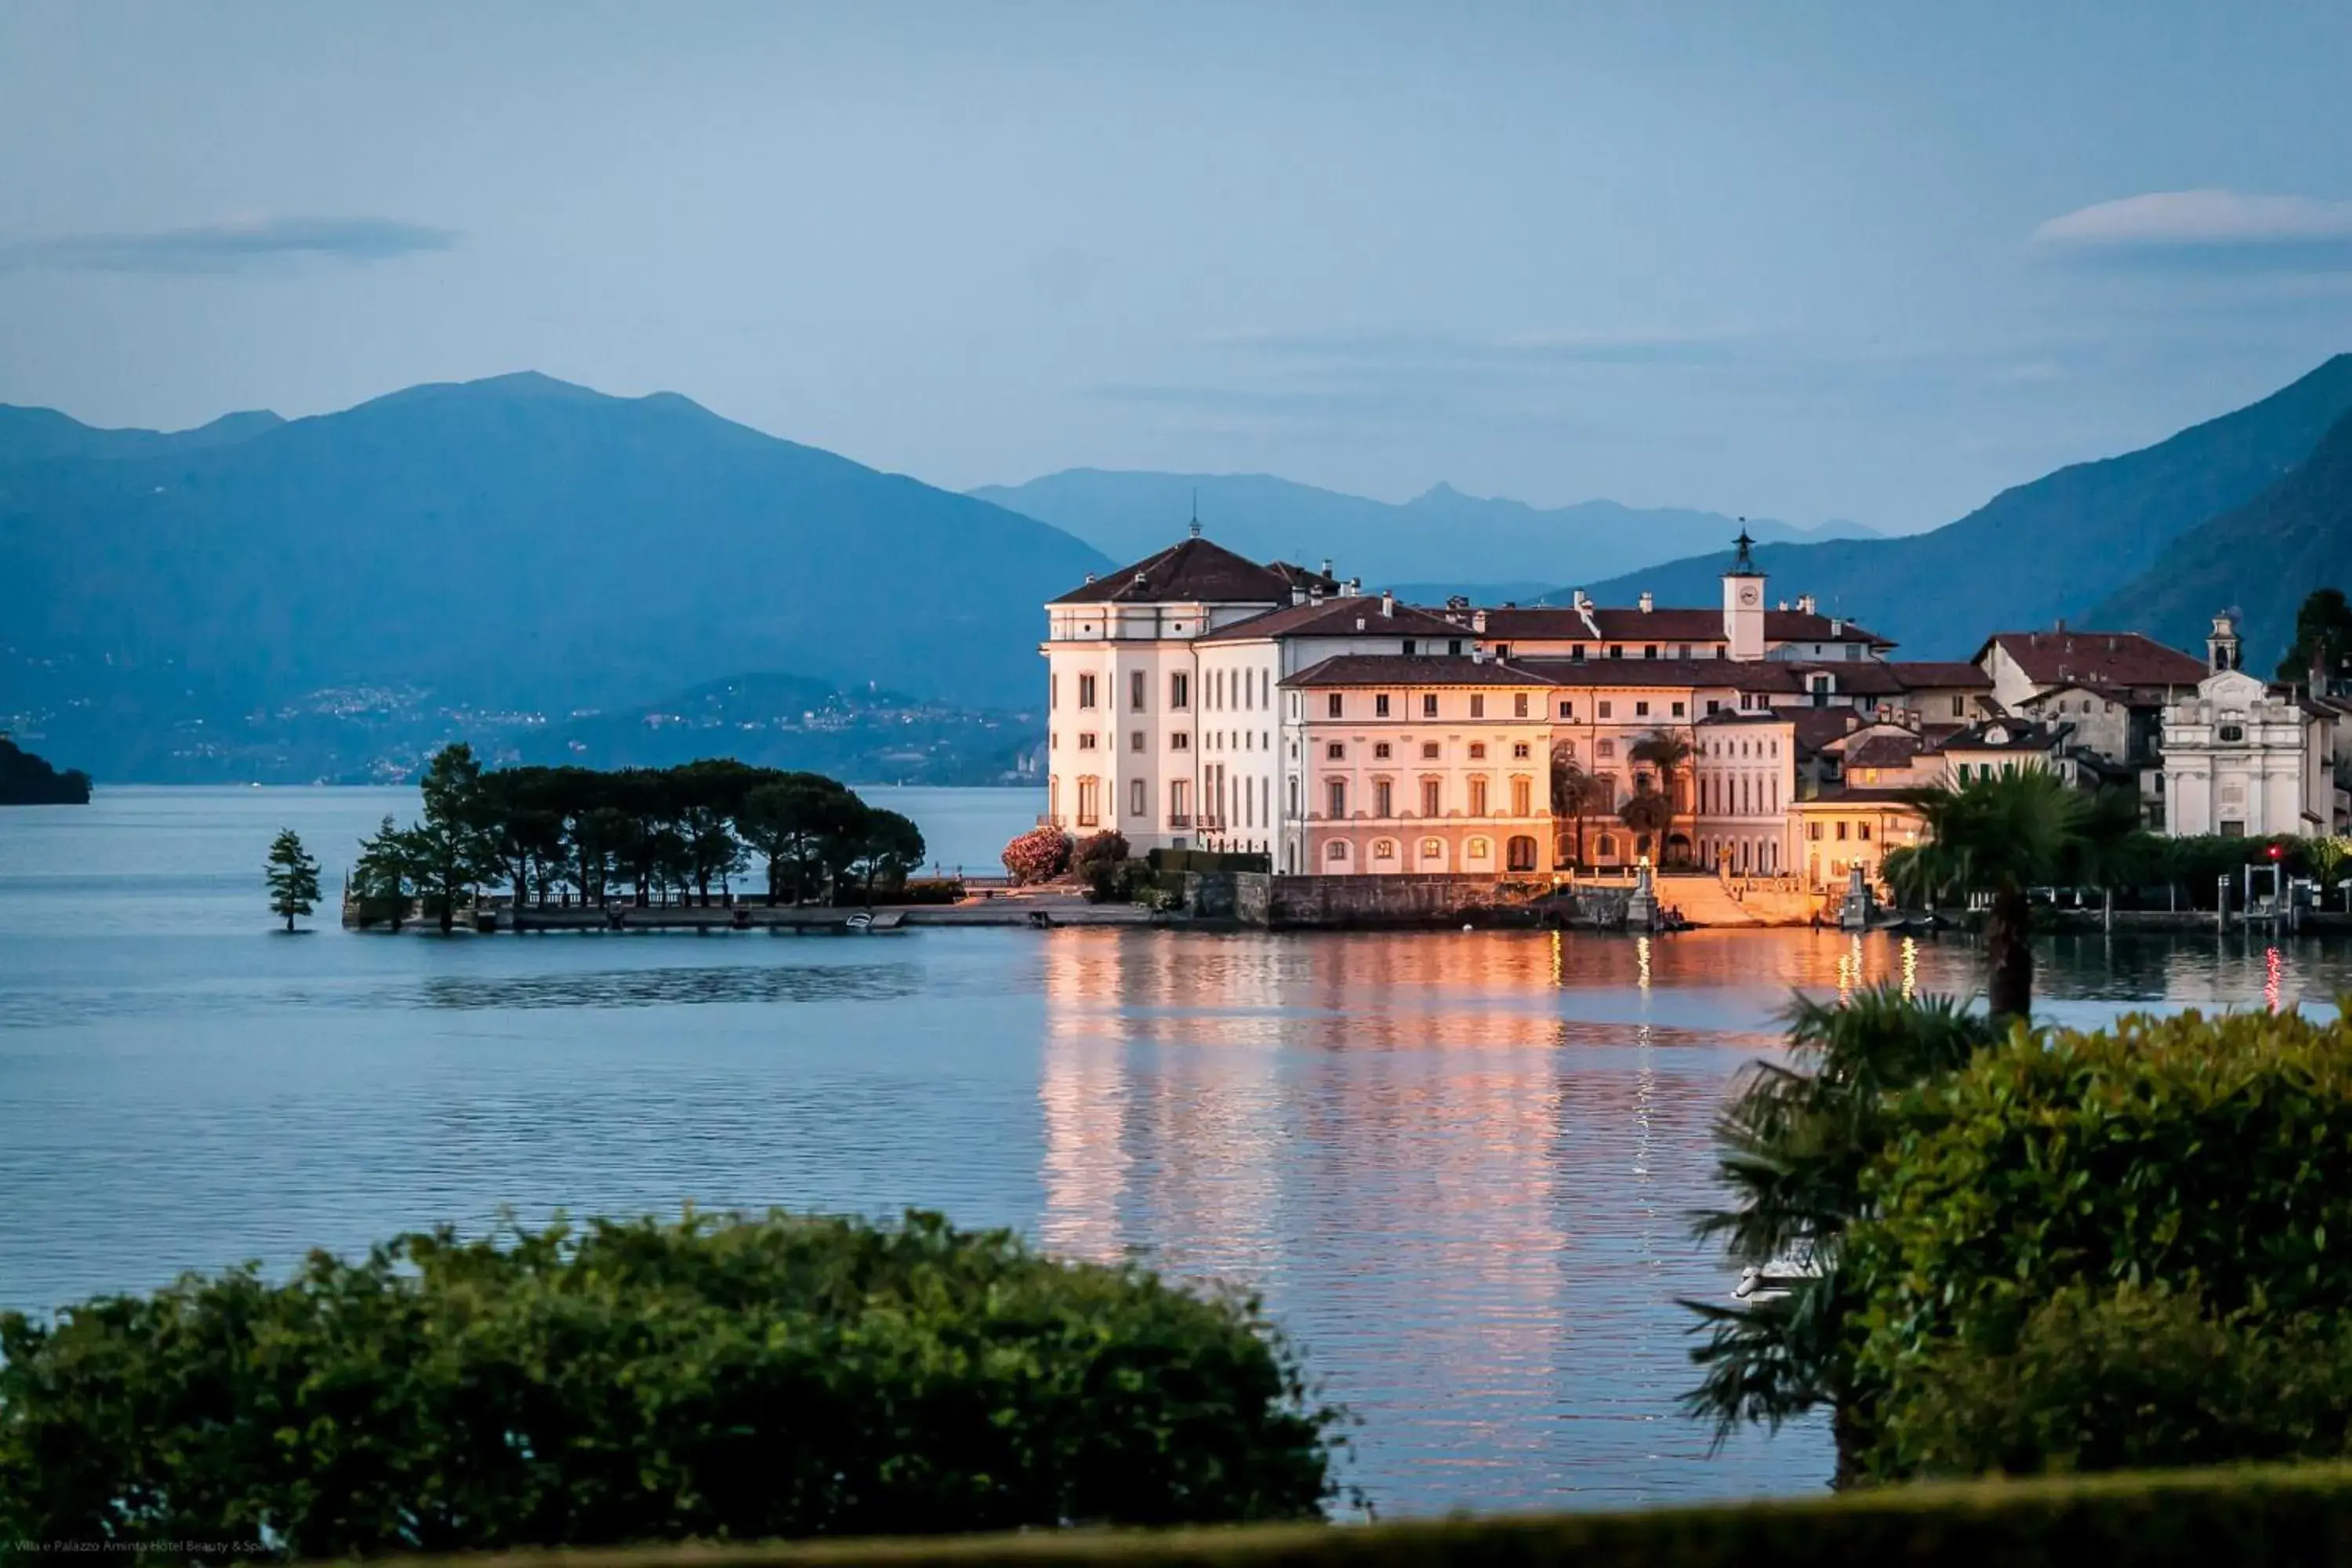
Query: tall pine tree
293, 877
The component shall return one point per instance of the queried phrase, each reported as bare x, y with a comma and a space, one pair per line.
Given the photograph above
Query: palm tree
2000, 836
1666, 751
1573, 792
1792, 1146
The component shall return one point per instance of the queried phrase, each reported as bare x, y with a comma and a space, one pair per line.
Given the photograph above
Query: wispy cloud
232, 244
2219, 229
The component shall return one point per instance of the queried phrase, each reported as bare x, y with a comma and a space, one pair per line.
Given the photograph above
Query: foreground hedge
725, 1379
2196, 1519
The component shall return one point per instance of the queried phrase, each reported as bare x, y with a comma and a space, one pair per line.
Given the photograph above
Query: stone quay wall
1279, 902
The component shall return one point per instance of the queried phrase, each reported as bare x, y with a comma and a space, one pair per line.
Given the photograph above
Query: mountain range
2077, 542
516, 543
1440, 540
536, 564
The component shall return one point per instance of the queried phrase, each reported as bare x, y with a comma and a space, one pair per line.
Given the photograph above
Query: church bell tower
1743, 603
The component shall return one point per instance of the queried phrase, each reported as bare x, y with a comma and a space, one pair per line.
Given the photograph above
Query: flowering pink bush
1106, 848
1039, 855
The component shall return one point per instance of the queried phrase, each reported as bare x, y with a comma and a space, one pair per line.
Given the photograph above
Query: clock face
1747, 594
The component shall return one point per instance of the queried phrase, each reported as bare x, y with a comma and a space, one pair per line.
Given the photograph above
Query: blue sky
1869, 260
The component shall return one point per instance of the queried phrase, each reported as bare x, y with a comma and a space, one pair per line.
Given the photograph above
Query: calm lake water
1457, 1165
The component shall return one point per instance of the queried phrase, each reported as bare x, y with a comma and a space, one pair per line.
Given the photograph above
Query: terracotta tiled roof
1615, 624
2111, 659
1882, 751
1194, 571
1938, 675
1863, 677
2016, 736
1765, 674
1817, 727
1396, 669
1337, 618
1867, 795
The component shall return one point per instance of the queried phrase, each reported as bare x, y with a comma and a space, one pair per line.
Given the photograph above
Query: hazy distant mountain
1441, 534
862, 734
2260, 559
2058, 547
515, 543
28, 435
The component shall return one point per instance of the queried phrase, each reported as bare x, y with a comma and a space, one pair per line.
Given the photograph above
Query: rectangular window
1568, 710
1478, 795
1577, 653
1384, 798
1604, 709
1380, 705
1502, 651
1332, 705
1713, 707
1650, 650
1616, 650
1086, 691
1812, 830
1430, 797
1335, 798
1409, 645
1840, 830
1522, 796
1640, 709
1861, 831
1179, 805
1520, 748
1180, 742
1453, 646
1428, 705
1679, 709
1090, 801
1477, 706
1335, 752
1135, 740
1518, 704
1134, 695
1136, 805
1428, 751
1379, 750
1477, 750
1086, 742
1052, 691
1959, 707
1180, 690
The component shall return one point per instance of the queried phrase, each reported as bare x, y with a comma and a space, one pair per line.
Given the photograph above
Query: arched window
1337, 850
1521, 853
1608, 844
1383, 848
1477, 849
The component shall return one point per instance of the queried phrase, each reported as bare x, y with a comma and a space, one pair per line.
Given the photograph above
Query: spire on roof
1196, 511
1744, 565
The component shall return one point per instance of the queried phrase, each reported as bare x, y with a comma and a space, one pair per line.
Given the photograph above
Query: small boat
1775, 1277
858, 921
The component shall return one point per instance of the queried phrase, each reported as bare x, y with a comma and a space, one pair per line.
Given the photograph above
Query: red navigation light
2277, 851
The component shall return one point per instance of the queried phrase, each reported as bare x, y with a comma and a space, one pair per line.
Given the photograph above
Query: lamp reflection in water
2274, 973
1910, 967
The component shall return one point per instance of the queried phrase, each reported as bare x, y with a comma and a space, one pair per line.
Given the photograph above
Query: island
26, 780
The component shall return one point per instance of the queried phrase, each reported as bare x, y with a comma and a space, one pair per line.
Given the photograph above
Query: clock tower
1743, 604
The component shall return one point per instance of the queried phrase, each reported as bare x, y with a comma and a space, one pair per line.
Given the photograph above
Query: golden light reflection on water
1460, 1164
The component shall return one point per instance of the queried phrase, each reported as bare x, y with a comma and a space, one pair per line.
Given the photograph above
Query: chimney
1360, 623
1327, 566
1837, 626
1355, 586
2062, 624
1478, 622
1314, 592
1805, 603
1139, 580
1648, 601
1388, 603
2110, 645
1090, 576
1297, 592
1582, 602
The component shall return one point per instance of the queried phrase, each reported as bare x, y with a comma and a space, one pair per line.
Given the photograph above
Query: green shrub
2189, 1154
2131, 1378
737, 1378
